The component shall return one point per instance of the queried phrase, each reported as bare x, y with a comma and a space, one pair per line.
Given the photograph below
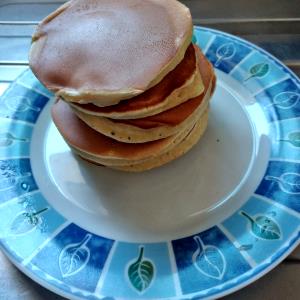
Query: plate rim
278, 256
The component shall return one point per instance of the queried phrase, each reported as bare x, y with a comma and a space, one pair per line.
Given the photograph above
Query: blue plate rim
273, 261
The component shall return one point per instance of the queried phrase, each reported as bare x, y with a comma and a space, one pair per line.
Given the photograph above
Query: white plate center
184, 197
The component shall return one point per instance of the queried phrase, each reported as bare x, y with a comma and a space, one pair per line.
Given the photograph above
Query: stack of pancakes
132, 90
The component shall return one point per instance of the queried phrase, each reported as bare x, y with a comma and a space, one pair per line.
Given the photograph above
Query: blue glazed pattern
16, 178
225, 54
22, 103
278, 92
267, 228
77, 257
206, 260
14, 139
283, 99
286, 139
125, 282
257, 66
28, 80
207, 264
28, 217
281, 183
205, 39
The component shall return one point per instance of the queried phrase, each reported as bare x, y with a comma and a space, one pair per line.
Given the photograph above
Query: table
274, 25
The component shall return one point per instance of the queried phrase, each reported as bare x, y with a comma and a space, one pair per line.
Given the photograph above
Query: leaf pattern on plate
11, 180
263, 227
141, 272
25, 222
288, 182
20, 104
224, 52
272, 213
209, 260
285, 100
246, 247
74, 257
293, 139
7, 139
258, 70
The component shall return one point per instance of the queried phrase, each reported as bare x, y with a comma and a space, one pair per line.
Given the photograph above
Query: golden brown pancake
80, 136
182, 148
181, 84
147, 131
91, 51
161, 125
178, 114
113, 161
190, 139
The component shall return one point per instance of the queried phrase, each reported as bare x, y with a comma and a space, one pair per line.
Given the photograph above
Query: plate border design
65, 289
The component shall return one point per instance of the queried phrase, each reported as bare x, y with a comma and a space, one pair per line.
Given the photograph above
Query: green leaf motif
293, 139
259, 70
263, 227
141, 272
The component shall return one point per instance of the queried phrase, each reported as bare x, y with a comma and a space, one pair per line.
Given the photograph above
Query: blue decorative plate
203, 226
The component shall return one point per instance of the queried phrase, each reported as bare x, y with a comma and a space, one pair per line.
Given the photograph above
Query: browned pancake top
81, 136
178, 114
174, 80
108, 45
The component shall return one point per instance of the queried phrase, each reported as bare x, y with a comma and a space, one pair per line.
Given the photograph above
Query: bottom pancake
178, 150
127, 161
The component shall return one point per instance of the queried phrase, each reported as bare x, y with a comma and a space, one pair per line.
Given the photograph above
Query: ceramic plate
200, 227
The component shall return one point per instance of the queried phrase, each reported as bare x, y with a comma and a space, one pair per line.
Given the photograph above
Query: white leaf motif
224, 52
74, 257
285, 100
288, 182
209, 260
20, 104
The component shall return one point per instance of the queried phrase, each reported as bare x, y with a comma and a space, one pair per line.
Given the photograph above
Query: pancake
102, 52
183, 147
159, 126
176, 139
191, 140
181, 84
80, 136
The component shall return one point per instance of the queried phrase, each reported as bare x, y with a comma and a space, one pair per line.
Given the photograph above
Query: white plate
202, 226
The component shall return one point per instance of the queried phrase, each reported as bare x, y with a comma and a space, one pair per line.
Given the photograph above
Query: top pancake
176, 87
105, 51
